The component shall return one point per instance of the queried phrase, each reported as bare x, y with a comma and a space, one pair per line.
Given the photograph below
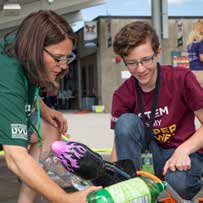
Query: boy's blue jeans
130, 141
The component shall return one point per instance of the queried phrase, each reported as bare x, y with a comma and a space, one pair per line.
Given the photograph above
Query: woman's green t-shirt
15, 100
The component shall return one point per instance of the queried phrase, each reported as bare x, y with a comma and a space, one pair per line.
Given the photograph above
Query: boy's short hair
133, 35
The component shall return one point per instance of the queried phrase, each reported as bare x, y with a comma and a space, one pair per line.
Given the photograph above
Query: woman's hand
179, 160
81, 196
55, 118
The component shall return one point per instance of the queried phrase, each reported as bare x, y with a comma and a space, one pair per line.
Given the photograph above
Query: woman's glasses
62, 59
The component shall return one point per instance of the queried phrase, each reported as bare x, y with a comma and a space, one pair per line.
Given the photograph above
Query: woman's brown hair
38, 30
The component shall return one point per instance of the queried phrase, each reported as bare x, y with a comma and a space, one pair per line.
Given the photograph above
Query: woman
195, 47
37, 56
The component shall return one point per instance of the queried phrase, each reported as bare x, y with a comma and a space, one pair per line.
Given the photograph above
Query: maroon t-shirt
180, 95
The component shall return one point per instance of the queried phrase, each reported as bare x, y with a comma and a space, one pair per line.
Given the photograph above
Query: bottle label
131, 191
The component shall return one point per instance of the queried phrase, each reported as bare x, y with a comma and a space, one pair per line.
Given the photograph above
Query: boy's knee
186, 186
127, 123
129, 117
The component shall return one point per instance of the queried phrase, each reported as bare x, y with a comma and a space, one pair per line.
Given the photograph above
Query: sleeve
193, 93
123, 102
13, 123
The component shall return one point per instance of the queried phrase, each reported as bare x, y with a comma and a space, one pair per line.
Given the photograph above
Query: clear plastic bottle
60, 175
135, 190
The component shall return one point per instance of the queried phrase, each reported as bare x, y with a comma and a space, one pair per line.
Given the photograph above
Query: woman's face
56, 57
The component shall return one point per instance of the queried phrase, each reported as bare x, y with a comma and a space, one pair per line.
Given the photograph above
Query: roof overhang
69, 8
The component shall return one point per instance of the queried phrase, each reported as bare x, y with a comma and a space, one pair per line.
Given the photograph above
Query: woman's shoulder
8, 62
11, 70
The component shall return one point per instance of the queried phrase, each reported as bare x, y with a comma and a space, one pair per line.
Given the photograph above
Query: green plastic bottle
135, 190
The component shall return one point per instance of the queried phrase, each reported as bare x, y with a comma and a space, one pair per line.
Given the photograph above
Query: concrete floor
91, 129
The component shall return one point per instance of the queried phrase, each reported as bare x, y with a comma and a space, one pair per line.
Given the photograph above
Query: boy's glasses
146, 61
